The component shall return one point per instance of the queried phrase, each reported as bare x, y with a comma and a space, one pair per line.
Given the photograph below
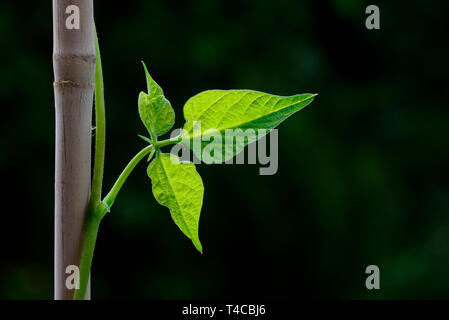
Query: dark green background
362, 178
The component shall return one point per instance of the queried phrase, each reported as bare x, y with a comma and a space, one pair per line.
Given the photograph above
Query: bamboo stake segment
74, 71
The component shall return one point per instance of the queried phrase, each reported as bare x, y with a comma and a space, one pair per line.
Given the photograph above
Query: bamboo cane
74, 70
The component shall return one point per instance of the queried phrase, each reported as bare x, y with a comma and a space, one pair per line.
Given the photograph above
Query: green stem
95, 215
90, 238
110, 197
167, 142
93, 219
100, 134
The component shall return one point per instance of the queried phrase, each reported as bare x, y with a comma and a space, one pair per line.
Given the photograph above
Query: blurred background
362, 173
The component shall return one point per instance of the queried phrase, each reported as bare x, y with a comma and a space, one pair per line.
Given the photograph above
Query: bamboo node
83, 57
72, 84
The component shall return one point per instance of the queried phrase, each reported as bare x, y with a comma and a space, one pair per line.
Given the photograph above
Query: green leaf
154, 89
155, 110
156, 113
221, 110
178, 186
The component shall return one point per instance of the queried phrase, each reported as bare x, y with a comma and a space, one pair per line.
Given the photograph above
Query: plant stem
167, 142
110, 197
100, 134
95, 215
93, 219
90, 238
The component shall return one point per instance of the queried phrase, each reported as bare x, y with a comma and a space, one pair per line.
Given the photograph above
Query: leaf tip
198, 246
147, 74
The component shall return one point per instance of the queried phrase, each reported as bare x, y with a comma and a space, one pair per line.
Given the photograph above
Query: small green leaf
156, 113
154, 89
221, 110
178, 186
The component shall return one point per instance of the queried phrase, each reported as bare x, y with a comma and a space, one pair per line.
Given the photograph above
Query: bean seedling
176, 184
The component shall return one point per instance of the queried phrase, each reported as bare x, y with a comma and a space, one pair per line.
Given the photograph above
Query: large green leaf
240, 110
178, 186
156, 113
